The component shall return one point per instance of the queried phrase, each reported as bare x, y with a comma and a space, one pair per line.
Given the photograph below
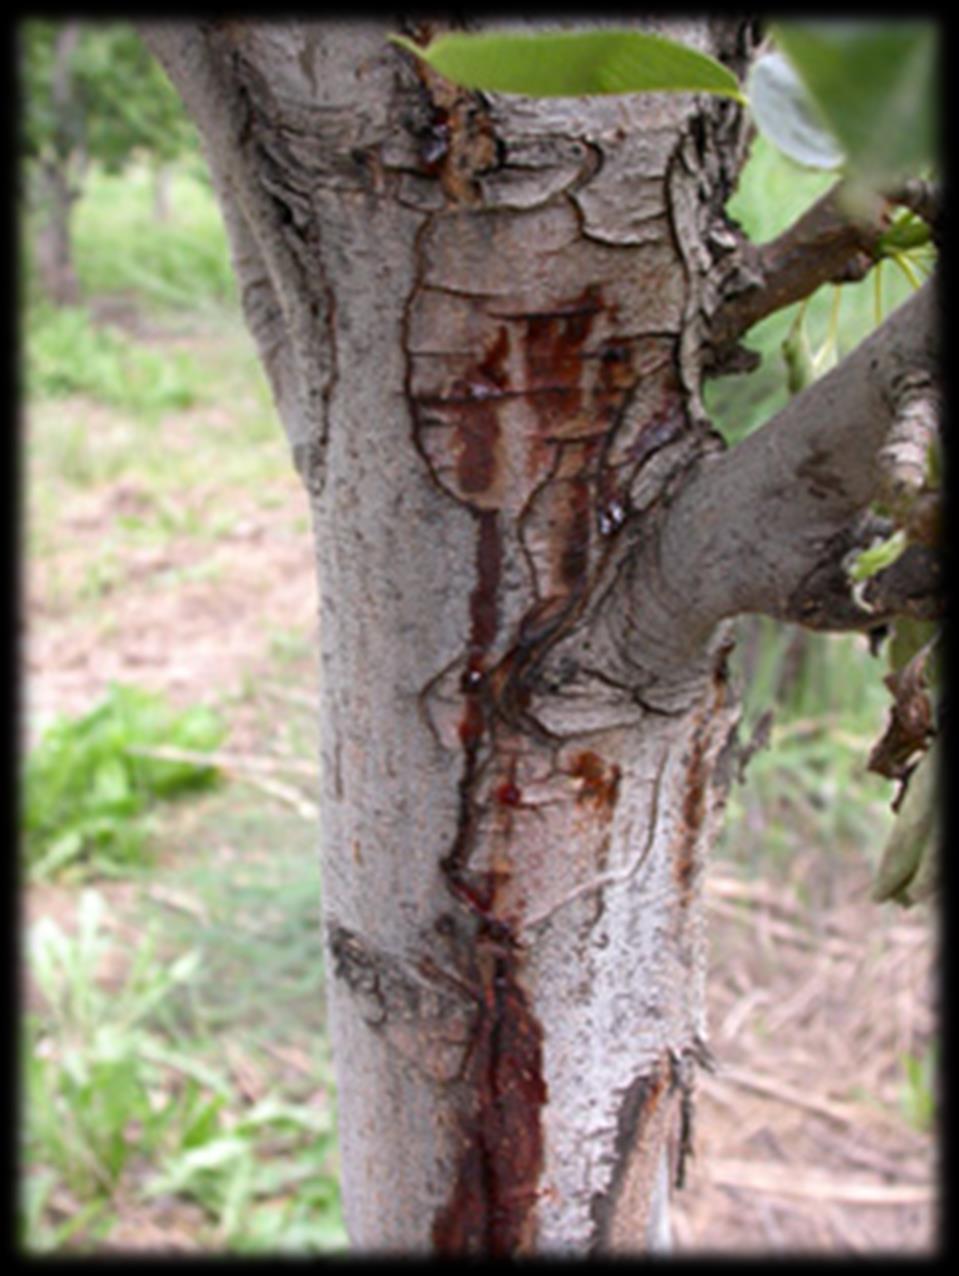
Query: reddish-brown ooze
472, 402
490, 1209
508, 794
598, 782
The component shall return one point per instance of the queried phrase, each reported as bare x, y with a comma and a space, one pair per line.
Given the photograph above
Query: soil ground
803, 1141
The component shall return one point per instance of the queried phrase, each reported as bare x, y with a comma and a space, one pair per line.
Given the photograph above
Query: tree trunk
484, 318
53, 246
55, 194
162, 184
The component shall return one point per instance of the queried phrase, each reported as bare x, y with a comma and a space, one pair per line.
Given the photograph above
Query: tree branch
825, 245
765, 526
911, 586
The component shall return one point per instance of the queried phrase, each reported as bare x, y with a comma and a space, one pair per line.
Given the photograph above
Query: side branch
824, 246
765, 526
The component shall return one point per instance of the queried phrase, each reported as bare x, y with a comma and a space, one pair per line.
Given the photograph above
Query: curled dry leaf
911, 721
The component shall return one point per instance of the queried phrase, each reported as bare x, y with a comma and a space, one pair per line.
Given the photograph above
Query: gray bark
485, 319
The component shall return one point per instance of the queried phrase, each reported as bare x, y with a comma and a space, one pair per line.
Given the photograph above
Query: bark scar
428, 1016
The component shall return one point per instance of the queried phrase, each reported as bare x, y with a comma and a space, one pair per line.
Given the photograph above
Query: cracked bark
485, 320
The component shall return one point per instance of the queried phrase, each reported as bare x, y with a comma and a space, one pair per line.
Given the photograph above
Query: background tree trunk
53, 252
162, 183
54, 192
482, 318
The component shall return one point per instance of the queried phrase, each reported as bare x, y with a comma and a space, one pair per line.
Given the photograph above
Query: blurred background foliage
177, 1088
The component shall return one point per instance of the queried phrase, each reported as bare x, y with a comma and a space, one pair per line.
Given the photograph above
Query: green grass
121, 247
87, 787
66, 353
125, 1105
135, 1097
810, 786
918, 1093
76, 445
255, 885
168, 270
179, 267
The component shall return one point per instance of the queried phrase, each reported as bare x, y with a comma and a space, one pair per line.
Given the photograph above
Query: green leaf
785, 112
273, 1111
180, 1172
908, 871
906, 232
574, 63
797, 355
874, 85
869, 562
60, 851
157, 1052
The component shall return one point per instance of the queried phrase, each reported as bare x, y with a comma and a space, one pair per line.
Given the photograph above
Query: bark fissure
537, 408
428, 1015
572, 376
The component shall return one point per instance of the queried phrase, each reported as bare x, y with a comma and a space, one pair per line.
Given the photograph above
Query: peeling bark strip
459, 144
636, 1156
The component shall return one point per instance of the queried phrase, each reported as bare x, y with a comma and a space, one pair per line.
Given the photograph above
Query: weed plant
122, 247
116, 1114
87, 789
67, 353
